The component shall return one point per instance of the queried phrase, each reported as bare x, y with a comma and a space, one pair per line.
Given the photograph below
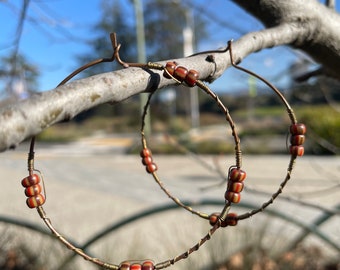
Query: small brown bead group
235, 185
33, 191
137, 265
231, 219
181, 74
147, 160
297, 139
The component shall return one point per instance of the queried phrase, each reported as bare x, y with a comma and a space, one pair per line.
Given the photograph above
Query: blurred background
43, 41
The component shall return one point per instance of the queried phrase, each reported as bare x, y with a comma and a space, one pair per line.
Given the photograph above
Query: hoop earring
297, 138
236, 176
34, 190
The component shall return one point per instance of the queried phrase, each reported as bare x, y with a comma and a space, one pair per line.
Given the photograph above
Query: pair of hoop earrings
35, 188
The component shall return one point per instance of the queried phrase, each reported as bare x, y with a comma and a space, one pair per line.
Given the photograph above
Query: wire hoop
297, 138
36, 200
146, 154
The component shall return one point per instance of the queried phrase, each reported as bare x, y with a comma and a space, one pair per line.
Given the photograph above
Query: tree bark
319, 27
303, 24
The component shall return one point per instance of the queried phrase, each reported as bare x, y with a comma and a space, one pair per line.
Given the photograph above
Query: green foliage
61, 133
322, 121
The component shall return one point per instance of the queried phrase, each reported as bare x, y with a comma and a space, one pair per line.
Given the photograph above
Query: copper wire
238, 157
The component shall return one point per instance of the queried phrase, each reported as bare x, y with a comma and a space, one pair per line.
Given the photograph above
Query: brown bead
151, 168
296, 150
30, 180
180, 73
233, 197
148, 265
124, 266
147, 160
213, 218
235, 186
237, 175
35, 201
170, 67
145, 152
297, 139
33, 190
298, 129
191, 78
231, 220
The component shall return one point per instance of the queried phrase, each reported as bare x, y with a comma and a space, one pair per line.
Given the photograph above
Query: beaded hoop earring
236, 176
33, 190
297, 138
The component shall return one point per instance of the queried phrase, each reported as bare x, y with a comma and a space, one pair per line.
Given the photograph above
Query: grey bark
320, 27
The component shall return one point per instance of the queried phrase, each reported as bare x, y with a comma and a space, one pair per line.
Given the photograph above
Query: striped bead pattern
147, 160
235, 185
30, 180
233, 197
237, 175
297, 139
33, 191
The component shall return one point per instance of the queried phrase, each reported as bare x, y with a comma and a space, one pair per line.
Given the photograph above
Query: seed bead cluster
232, 195
180, 73
33, 191
235, 185
297, 139
231, 219
137, 265
147, 160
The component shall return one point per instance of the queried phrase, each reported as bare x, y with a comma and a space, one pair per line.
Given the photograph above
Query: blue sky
56, 31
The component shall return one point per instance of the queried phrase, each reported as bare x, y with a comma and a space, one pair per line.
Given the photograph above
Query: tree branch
330, 3
320, 27
29, 117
